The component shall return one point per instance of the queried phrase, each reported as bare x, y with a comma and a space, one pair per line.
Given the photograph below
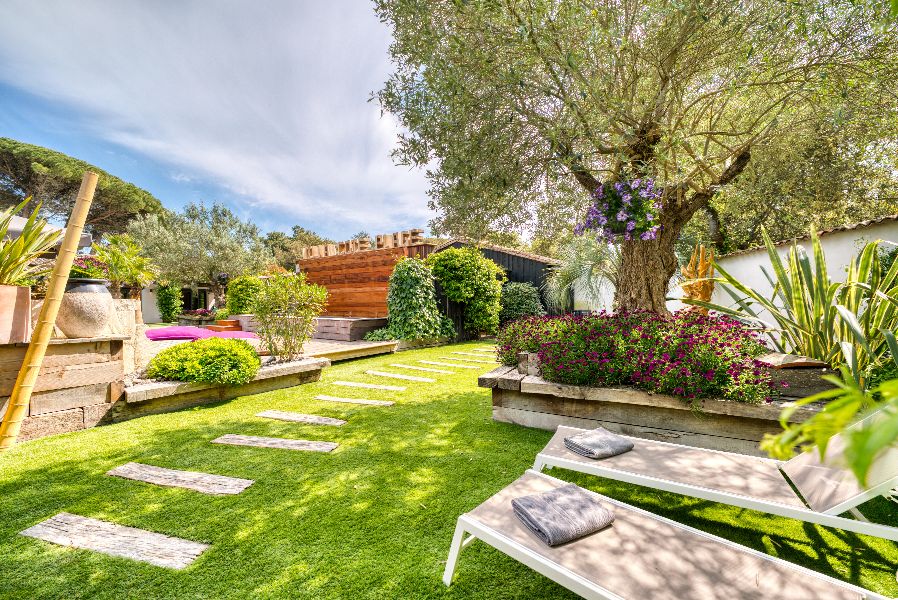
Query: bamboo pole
46, 321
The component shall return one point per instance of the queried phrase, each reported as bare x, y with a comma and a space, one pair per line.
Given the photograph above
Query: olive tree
513, 105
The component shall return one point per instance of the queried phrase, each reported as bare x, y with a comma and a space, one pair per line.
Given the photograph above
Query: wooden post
46, 320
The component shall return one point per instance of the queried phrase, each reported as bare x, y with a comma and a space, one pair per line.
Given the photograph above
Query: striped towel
562, 515
598, 443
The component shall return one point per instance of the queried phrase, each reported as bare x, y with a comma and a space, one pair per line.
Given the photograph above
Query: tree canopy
287, 249
515, 106
53, 178
201, 245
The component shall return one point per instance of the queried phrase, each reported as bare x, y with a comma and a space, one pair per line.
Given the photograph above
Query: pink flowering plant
624, 210
88, 266
687, 355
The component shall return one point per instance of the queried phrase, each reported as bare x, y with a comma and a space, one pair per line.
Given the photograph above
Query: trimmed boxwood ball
213, 360
519, 300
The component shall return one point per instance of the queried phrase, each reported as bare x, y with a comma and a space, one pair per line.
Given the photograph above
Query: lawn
372, 519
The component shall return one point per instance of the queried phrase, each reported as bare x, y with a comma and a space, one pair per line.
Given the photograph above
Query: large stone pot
85, 309
15, 314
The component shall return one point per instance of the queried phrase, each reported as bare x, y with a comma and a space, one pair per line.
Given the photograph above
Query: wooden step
228, 322
224, 328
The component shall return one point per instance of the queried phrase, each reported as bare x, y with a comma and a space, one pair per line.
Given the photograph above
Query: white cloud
266, 99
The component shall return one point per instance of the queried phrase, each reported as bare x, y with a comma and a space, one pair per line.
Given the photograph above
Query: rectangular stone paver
371, 386
442, 364
427, 369
355, 400
270, 442
206, 483
478, 355
474, 360
281, 415
400, 376
76, 531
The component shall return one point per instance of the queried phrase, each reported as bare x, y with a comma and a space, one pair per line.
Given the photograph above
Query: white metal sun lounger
641, 556
826, 490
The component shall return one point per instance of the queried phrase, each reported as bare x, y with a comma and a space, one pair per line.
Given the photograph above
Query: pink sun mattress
188, 332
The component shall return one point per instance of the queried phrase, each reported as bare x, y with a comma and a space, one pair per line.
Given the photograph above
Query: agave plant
836, 322
17, 254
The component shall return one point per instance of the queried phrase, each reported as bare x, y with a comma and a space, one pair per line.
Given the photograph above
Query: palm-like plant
17, 254
587, 265
127, 265
836, 322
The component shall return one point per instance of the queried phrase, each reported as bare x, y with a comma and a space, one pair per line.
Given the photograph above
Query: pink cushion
178, 332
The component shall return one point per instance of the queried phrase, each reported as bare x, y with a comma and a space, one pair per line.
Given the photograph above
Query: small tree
242, 294
412, 301
286, 308
470, 278
200, 244
169, 301
126, 264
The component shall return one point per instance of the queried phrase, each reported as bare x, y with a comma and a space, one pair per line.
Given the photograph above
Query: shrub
412, 301
286, 307
242, 293
213, 360
169, 302
687, 355
384, 334
470, 278
519, 300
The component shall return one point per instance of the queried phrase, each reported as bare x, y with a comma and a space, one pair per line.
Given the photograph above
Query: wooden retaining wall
79, 382
357, 282
531, 401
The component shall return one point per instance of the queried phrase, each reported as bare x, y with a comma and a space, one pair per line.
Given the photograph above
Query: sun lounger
641, 556
826, 490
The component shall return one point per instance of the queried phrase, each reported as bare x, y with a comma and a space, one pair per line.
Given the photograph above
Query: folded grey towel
598, 443
562, 515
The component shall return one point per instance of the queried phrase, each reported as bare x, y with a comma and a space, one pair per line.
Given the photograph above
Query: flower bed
687, 355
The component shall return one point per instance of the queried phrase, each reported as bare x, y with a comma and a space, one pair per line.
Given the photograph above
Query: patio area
372, 518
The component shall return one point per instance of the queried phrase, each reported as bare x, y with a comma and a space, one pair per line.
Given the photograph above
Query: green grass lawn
372, 519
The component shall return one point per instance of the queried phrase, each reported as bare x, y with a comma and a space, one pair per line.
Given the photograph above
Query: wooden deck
335, 351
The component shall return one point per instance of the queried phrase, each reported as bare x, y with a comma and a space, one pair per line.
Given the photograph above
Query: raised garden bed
165, 396
522, 397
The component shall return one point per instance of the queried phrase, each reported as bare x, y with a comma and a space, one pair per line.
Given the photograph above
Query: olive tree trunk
647, 267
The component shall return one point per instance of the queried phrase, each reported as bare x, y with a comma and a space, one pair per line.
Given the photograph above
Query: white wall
839, 248
151, 311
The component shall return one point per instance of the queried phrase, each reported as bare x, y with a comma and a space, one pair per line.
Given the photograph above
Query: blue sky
261, 105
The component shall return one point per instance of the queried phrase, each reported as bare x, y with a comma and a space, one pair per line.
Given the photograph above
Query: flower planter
85, 309
15, 314
522, 397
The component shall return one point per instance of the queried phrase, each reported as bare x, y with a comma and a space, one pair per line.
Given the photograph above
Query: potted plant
128, 270
199, 317
18, 251
86, 305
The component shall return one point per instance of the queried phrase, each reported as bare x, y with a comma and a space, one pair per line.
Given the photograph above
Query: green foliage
169, 301
588, 266
470, 278
839, 323
213, 360
54, 178
287, 249
221, 314
242, 294
286, 308
846, 411
201, 244
519, 300
412, 301
384, 334
89, 266
125, 264
17, 255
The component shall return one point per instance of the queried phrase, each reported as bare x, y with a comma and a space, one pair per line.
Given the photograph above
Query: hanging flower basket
624, 210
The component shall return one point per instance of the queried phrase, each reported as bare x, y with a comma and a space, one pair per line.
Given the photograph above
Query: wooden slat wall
357, 283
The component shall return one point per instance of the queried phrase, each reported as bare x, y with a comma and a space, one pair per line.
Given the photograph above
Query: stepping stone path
270, 442
76, 531
470, 354
414, 368
474, 360
355, 401
400, 376
198, 482
371, 386
442, 364
281, 415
